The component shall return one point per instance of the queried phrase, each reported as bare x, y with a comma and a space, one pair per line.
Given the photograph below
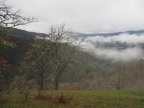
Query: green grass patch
78, 99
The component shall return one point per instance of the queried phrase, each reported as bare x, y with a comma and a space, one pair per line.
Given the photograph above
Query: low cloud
120, 55
127, 38
113, 52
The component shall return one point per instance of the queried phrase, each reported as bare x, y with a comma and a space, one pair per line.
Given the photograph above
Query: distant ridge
137, 32
25, 33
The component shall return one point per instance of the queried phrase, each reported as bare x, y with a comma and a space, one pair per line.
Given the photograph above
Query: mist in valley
123, 47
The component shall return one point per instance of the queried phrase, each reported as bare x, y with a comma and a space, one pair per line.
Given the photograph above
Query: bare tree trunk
56, 83
42, 86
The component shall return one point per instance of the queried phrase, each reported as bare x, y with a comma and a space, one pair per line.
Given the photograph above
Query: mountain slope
24, 33
127, 45
137, 32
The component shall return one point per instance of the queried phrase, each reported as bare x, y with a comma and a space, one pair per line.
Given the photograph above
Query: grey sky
88, 16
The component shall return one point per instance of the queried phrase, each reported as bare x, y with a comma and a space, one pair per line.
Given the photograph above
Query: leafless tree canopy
10, 18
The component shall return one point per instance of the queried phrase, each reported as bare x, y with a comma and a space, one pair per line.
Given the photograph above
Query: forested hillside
90, 72
62, 59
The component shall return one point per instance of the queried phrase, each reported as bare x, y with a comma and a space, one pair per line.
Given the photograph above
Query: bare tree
51, 55
10, 18
120, 76
64, 47
36, 64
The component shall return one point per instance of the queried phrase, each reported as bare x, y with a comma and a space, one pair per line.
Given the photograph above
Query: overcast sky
87, 16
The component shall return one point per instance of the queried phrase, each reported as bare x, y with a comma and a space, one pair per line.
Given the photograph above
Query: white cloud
124, 54
84, 15
134, 39
120, 55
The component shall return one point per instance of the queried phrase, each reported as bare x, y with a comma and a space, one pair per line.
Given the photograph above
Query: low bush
63, 99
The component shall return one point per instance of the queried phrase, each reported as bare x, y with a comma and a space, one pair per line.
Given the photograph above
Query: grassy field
77, 99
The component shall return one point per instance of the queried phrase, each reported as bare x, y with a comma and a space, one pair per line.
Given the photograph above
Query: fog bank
122, 47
